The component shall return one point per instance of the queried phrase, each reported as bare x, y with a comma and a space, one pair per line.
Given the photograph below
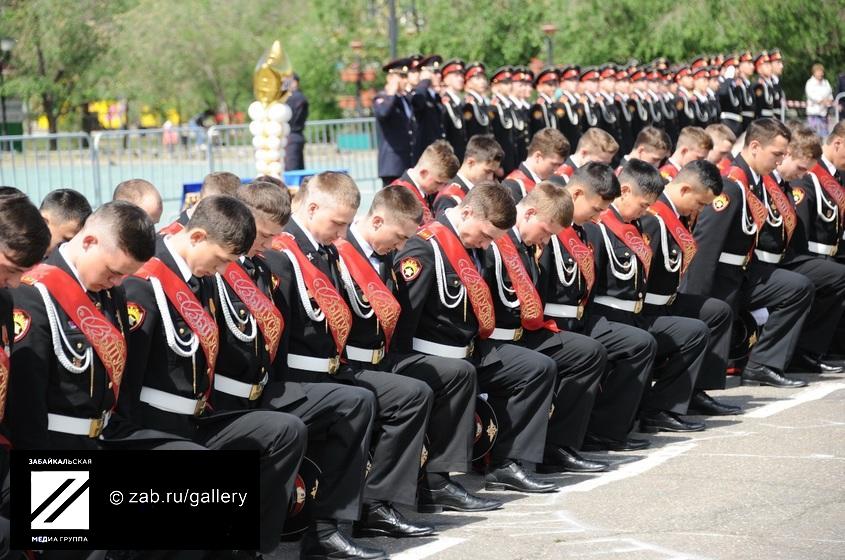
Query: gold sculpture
272, 78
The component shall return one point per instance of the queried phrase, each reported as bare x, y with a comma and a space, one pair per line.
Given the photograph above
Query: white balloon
272, 128
275, 168
272, 143
260, 167
286, 112
285, 129
258, 142
283, 142
256, 110
256, 128
275, 112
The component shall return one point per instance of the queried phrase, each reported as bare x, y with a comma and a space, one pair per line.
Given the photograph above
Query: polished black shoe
665, 421
336, 546
514, 477
804, 362
386, 521
594, 442
453, 497
763, 375
566, 459
705, 405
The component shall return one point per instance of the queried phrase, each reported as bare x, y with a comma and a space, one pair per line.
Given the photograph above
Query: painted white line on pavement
631, 469
612, 545
807, 395
814, 456
429, 549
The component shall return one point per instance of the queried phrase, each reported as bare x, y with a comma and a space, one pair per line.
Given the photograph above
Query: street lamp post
6, 46
357, 48
549, 30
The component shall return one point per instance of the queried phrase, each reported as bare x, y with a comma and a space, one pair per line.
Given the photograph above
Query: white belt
634, 306
172, 403
660, 299
368, 355
821, 248
91, 427
767, 257
767, 112
309, 363
507, 334
444, 350
735, 260
748, 113
731, 116
564, 311
239, 388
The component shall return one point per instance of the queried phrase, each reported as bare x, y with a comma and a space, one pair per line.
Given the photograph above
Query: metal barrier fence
94, 164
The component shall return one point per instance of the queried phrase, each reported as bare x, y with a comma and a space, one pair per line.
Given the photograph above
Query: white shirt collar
755, 178
415, 181
533, 175
366, 247
516, 233
672, 205
452, 222
466, 181
63, 252
777, 176
830, 167
307, 233
674, 164
184, 269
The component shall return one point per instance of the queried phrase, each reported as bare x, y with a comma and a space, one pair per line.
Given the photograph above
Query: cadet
606, 101
513, 276
746, 94
457, 325
215, 183
623, 262
65, 211
595, 145
818, 200
673, 249
501, 83
651, 146
764, 93
567, 275
547, 151
427, 106
726, 233
574, 124
693, 144
396, 125
173, 350
452, 99
779, 97
730, 96
433, 172
723, 140
520, 109
481, 162
476, 108
142, 194
543, 111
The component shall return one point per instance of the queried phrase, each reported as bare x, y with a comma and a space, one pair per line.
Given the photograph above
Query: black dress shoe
703, 404
336, 546
386, 521
453, 497
763, 375
804, 362
566, 459
594, 442
514, 477
665, 421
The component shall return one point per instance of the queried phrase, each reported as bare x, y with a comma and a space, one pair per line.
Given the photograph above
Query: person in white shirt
819, 99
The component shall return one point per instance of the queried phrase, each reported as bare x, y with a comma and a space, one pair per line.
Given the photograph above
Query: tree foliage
195, 54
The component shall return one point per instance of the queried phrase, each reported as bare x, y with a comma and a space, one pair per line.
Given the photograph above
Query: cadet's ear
89, 241
376, 221
198, 235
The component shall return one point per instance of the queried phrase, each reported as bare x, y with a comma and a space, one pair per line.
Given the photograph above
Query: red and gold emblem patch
797, 195
721, 202
136, 314
22, 322
274, 279
647, 239
410, 268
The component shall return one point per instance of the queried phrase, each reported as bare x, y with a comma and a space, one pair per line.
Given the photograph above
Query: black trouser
451, 425
787, 295
339, 420
718, 317
828, 278
630, 355
519, 384
403, 408
681, 346
294, 152
581, 363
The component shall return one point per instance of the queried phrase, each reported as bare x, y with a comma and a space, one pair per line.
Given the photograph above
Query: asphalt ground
767, 484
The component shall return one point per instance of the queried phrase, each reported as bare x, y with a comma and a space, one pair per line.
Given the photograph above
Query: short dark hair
702, 174
270, 179
598, 178
484, 147
399, 202
653, 138
24, 235
134, 231
491, 201
268, 199
227, 221
644, 175
66, 205
765, 131
220, 182
549, 142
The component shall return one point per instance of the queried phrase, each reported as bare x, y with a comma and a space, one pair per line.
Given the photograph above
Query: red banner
630, 236
269, 318
530, 304
679, 232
